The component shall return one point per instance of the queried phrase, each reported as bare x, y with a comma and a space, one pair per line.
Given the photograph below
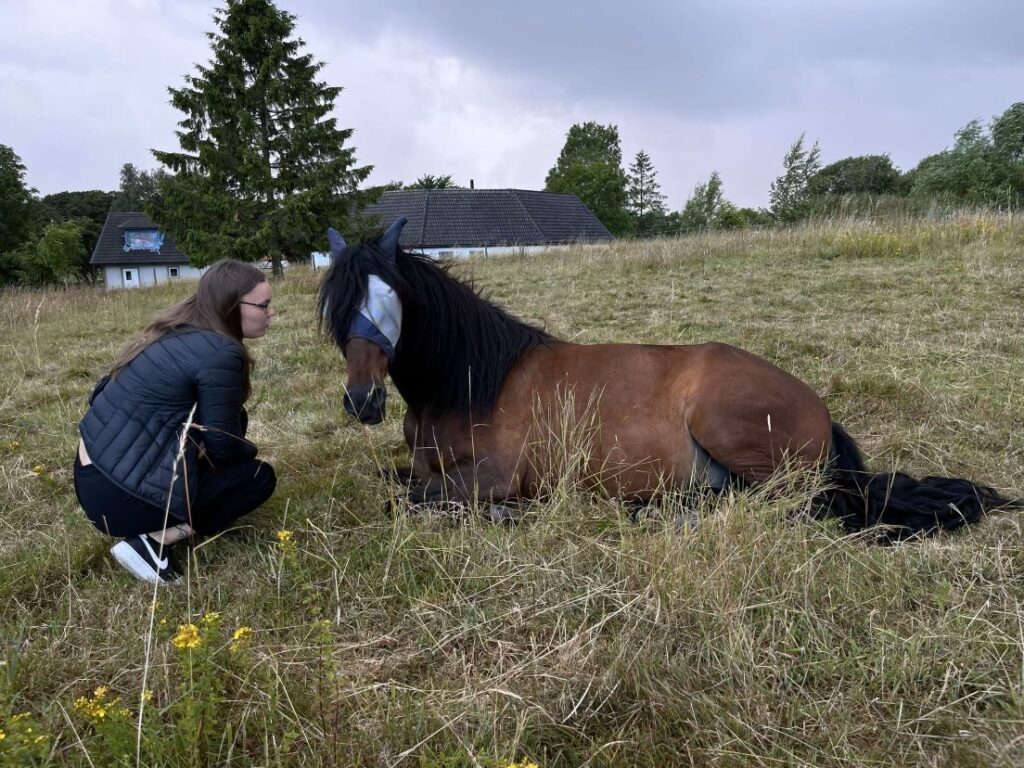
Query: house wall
322, 259
149, 274
490, 250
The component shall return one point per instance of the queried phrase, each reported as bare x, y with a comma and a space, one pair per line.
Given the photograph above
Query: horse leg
398, 475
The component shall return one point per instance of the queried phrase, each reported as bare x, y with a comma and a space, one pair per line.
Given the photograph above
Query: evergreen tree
19, 212
790, 196
643, 195
263, 170
590, 167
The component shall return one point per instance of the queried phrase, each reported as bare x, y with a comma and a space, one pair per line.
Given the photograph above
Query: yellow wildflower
38, 469
147, 695
284, 541
187, 637
2, 735
91, 708
211, 617
100, 692
13, 446
239, 637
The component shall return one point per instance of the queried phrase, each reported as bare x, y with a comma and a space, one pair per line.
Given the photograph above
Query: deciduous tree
139, 188
790, 196
428, 181
865, 174
590, 166
703, 208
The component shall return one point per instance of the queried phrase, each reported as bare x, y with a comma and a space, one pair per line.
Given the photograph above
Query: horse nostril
369, 405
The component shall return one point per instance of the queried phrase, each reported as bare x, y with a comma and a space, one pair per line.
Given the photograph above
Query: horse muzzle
368, 403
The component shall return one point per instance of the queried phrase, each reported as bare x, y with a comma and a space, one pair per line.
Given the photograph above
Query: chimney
471, 184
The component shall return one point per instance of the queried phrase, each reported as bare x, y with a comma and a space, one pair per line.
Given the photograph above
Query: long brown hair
215, 306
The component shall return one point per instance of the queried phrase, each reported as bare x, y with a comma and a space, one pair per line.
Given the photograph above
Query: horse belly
602, 416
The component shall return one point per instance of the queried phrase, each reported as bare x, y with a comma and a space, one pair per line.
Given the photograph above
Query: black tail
907, 506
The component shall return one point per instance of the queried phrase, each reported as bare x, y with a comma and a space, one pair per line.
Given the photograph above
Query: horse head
363, 312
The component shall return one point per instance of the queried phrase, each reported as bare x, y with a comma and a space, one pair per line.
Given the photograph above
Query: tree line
262, 168
983, 169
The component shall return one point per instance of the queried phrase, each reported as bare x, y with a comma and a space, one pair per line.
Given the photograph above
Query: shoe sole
135, 564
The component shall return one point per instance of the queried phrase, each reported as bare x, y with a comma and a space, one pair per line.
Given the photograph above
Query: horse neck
456, 347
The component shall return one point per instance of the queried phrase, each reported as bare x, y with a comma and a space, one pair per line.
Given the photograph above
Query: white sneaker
139, 555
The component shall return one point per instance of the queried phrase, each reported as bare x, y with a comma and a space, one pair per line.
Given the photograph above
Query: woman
139, 474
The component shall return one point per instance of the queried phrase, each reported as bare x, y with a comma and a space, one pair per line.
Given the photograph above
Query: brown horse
489, 397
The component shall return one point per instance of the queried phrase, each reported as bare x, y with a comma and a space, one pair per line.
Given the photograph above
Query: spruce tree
262, 170
643, 195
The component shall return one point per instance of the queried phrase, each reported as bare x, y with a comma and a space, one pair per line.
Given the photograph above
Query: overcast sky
487, 90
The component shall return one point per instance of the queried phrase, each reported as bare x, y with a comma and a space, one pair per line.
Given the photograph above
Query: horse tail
908, 507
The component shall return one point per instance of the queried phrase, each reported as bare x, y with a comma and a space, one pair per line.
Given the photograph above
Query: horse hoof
499, 514
396, 475
640, 512
395, 506
687, 522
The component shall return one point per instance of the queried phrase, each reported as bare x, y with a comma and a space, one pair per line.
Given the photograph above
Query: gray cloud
487, 91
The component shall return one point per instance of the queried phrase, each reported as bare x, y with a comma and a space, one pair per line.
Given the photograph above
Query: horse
485, 391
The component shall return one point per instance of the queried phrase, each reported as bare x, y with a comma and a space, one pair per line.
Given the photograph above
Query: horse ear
388, 242
336, 241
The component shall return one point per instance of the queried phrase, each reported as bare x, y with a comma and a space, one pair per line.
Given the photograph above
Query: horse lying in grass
484, 390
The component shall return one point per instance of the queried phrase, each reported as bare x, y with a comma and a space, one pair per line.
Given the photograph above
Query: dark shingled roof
110, 250
464, 218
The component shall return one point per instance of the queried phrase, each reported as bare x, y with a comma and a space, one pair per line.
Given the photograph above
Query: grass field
327, 632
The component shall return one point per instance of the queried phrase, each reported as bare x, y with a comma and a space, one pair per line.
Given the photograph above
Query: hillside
577, 637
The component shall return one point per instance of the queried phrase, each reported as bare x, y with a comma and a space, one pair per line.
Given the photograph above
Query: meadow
327, 631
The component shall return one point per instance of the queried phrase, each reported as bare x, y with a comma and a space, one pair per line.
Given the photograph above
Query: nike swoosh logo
161, 564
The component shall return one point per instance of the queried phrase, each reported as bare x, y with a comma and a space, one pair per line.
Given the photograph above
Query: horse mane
456, 346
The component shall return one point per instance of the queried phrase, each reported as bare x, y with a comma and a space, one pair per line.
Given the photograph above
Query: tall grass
327, 631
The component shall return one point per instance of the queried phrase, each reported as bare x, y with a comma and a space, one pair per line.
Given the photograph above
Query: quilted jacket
134, 424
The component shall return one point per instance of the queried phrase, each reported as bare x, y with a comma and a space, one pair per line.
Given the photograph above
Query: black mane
456, 346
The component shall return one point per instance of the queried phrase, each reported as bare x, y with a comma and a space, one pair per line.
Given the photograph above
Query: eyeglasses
265, 306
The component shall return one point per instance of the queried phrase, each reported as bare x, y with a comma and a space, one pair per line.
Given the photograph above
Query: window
127, 275
172, 272
143, 240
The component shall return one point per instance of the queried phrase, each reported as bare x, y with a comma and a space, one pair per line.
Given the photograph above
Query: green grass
577, 637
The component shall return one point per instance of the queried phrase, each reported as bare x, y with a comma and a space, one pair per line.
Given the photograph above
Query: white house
133, 252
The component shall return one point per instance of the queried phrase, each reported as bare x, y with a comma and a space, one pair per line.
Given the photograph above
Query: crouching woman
138, 474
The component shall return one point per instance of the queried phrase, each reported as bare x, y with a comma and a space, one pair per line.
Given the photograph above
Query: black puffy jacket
134, 424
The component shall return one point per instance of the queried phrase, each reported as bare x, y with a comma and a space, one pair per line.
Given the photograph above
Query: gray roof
453, 218
110, 250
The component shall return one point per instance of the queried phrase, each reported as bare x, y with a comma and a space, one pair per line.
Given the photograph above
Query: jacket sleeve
219, 411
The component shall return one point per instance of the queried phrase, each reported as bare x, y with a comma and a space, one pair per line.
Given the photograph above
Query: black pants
225, 493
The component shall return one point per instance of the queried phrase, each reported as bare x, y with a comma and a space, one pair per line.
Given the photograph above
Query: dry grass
577, 637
